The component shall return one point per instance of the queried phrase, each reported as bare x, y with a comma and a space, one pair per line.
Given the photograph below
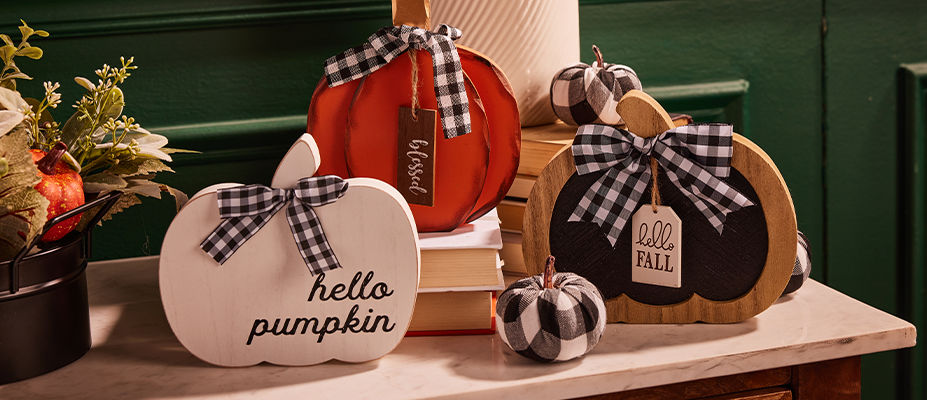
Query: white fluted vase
529, 40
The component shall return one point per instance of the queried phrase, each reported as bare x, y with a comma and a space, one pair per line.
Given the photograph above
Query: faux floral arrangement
47, 168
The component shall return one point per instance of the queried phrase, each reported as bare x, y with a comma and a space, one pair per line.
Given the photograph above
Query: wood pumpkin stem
549, 273
598, 56
48, 162
412, 12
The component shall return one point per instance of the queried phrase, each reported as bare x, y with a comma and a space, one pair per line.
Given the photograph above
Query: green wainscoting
913, 215
874, 178
834, 91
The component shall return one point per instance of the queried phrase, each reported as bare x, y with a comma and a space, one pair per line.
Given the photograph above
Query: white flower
150, 144
147, 139
143, 143
53, 98
50, 87
154, 153
11, 100
13, 110
9, 119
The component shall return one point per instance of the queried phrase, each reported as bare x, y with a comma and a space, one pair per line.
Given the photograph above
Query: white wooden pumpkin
218, 312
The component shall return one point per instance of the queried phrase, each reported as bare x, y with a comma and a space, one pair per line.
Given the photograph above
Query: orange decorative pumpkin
355, 126
62, 186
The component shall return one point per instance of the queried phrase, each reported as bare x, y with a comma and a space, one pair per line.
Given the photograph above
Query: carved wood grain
832, 379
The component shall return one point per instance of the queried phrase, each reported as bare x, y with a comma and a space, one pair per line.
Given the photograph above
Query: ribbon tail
599, 203
232, 233
450, 91
310, 238
379, 49
711, 196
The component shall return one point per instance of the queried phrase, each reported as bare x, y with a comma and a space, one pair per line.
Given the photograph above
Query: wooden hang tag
415, 166
656, 247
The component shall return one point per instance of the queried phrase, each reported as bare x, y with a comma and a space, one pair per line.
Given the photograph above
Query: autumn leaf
22, 208
126, 201
103, 182
139, 166
180, 198
143, 187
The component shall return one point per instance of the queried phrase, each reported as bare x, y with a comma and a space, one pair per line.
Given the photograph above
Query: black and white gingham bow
245, 209
391, 41
695, 157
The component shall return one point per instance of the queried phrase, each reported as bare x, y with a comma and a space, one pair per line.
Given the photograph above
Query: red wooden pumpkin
62, 186
356, 127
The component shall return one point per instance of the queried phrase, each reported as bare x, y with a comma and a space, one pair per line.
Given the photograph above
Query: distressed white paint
212, 309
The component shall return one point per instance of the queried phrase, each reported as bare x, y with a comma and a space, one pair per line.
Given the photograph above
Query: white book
483, 233
465, 259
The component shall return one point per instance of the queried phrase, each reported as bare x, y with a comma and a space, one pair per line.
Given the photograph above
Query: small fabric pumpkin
802, 269
583, 94
62, 186
551, 317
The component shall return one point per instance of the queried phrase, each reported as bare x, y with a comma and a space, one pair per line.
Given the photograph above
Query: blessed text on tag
415, 169
656, 247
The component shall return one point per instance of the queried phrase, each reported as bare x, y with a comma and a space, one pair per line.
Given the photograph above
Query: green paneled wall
819, 86
668, 44
869, 178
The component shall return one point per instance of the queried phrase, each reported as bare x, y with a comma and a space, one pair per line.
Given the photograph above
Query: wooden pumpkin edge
479, 210
748, 159
540, 208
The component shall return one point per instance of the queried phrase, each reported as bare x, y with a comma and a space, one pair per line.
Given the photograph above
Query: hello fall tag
656, 247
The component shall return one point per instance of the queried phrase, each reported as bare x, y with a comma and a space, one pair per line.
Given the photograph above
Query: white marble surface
135, 355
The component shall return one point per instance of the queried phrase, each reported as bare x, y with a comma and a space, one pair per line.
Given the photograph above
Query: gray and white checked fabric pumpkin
583, 94
559, 322
802, 269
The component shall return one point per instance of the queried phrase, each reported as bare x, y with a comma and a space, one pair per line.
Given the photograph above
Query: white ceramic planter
530, 40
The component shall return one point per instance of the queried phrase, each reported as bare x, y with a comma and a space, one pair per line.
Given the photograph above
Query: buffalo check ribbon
391, 41
695, 157
245, 209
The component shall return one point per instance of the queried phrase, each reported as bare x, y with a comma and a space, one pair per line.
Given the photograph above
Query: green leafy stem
10, 72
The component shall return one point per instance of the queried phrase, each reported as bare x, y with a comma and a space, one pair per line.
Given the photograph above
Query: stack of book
460, 272
539, 145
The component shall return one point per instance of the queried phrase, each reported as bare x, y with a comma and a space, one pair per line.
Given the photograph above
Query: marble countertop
135, 355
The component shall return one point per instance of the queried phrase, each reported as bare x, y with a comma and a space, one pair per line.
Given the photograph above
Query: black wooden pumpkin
727, 275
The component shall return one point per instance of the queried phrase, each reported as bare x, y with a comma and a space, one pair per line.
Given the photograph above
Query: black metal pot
44, 316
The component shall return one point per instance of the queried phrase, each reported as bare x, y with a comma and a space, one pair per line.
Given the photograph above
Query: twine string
414, 85
655, 188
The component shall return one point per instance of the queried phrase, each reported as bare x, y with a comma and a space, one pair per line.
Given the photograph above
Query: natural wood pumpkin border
759, 169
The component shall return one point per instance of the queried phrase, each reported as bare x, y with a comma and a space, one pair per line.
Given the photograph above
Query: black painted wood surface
717, 267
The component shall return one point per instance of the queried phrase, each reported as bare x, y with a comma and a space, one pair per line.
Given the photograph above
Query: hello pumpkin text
360, 288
